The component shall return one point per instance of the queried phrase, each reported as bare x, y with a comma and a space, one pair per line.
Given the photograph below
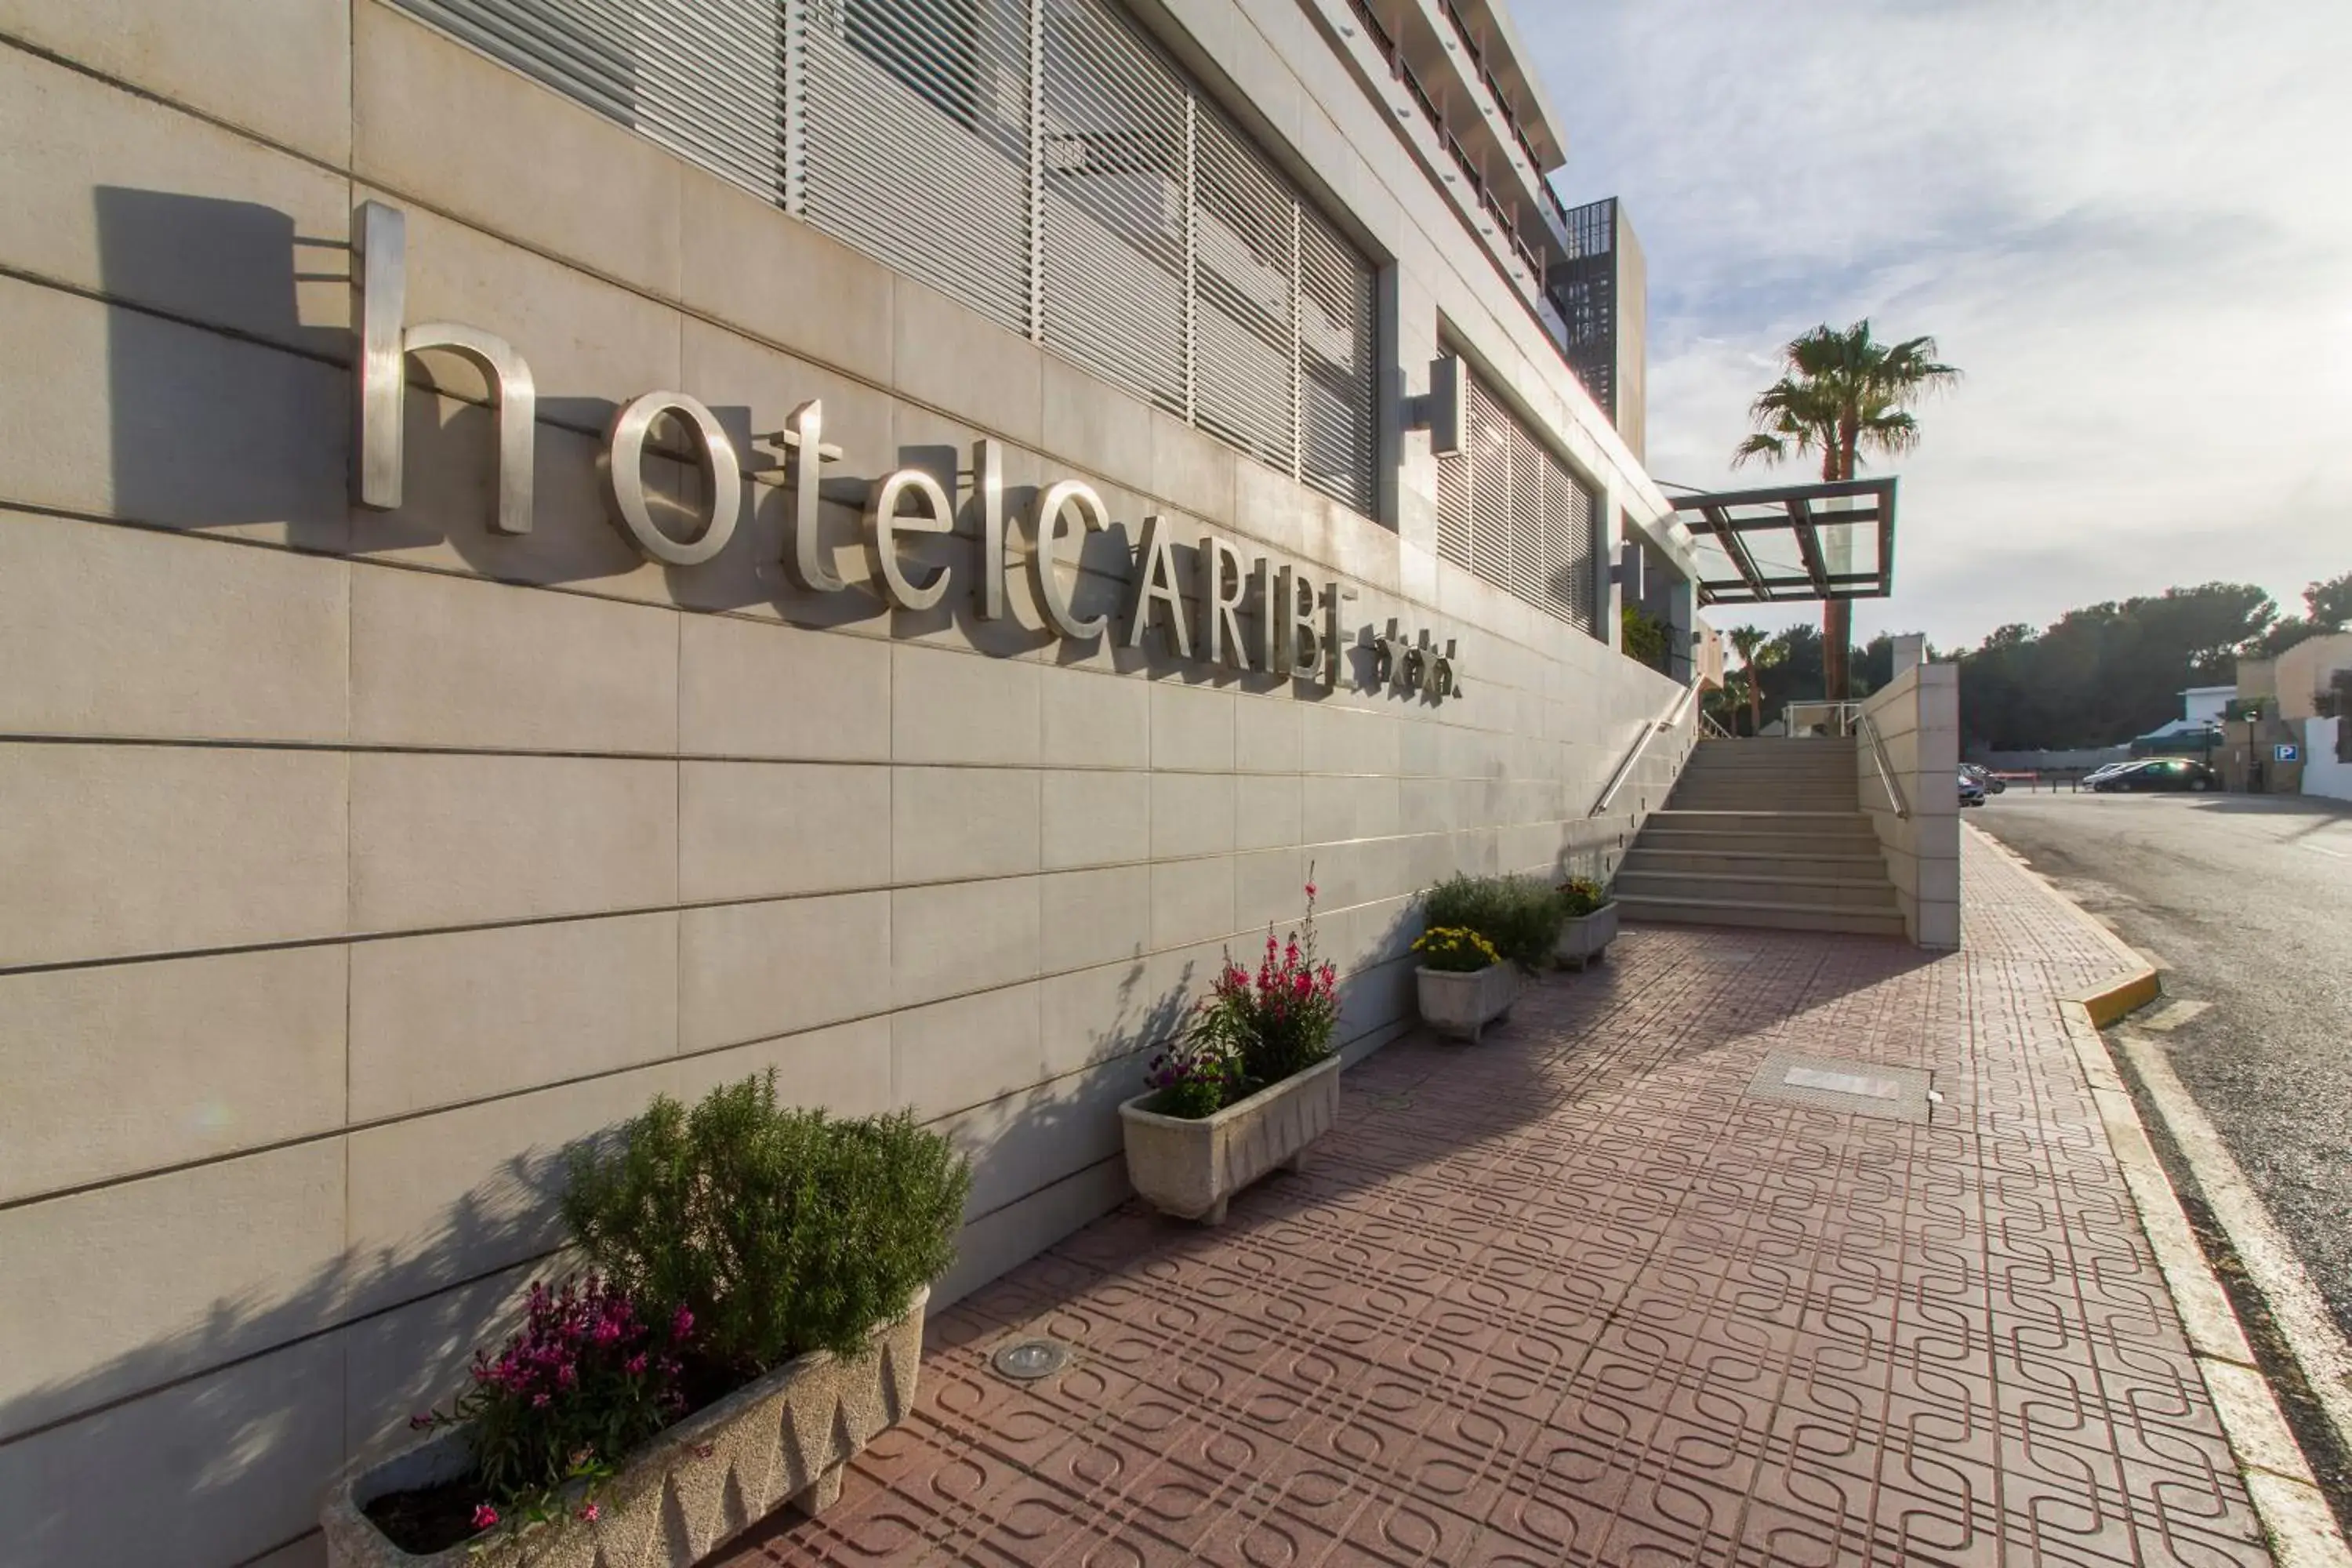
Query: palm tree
1758, 651
1843, 393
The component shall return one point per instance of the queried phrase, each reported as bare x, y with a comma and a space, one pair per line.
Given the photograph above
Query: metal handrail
1641, 744
1869, 728
1712, 727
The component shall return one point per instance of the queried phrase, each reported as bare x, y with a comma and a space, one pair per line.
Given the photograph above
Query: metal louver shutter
1115, 179
1511, 512
1336, 371
918, 141
703, 77
1042, 162
1244, 239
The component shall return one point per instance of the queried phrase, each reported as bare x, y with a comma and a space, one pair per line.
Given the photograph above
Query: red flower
485, 1516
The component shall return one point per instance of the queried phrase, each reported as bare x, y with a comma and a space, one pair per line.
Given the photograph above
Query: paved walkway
1573, 1296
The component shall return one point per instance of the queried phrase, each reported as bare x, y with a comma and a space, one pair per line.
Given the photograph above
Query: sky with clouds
2130, 224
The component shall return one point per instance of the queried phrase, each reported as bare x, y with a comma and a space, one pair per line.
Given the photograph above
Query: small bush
1579, 896
780, 1231
591, 1376
1195, 1078
1252, 1031
1519, 916
1455, 949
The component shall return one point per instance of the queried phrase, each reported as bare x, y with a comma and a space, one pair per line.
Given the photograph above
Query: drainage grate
1855, 1088
1025, 1361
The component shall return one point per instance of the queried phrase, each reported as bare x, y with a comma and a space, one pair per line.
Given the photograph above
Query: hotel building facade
556, 551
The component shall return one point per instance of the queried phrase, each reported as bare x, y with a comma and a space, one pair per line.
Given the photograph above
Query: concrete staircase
1763, 833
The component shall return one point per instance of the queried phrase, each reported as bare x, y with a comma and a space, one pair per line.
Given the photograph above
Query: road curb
2294, 1510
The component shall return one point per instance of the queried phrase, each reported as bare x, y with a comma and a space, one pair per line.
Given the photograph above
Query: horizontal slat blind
1511, 512
1040, 161
1114, 204
918, 141
703, 77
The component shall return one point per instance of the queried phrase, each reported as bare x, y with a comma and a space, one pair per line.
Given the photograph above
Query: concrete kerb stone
2294, 1512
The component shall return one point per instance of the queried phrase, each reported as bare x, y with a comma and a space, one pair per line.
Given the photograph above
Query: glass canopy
1799, 542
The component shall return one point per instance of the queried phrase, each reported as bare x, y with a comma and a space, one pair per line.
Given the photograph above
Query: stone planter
781, 1440
1585, 939
1190, 1168
1463, 1004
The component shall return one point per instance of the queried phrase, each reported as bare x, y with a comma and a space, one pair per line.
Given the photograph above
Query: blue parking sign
2287, 751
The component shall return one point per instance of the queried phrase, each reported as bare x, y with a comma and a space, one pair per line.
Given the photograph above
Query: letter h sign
380, 275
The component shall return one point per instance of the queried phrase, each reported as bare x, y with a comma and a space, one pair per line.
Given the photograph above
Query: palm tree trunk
1837, 615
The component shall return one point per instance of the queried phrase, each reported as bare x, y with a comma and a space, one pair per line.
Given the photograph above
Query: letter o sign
625, 478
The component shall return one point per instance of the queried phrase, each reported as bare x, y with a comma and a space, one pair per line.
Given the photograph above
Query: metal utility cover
1855, 1088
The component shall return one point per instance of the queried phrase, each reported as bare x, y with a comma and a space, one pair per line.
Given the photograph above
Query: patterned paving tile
1572, 1297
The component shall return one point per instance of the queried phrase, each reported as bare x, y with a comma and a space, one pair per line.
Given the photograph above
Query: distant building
1601, 293
2204, 704
2299, 742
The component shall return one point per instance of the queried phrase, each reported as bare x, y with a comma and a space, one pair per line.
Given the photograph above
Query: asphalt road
2246, 902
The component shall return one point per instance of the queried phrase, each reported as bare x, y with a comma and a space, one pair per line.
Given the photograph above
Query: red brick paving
1567, 1297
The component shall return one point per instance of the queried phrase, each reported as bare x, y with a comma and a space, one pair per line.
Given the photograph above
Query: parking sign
2287, 751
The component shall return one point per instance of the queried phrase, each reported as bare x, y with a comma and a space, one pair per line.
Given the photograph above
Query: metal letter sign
380, 271
625, 478
1299, 632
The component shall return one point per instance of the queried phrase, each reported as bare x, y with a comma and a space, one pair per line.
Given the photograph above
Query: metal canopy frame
1729, 516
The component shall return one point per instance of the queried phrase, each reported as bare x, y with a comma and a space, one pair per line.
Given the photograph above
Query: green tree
2330, 602
1757, 652
1843, 394
2101, 674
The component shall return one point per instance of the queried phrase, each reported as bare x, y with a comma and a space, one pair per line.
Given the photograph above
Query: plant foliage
1253, 1030
1579, 896
1456, 950
587, 1379
781, 1230
1518, 916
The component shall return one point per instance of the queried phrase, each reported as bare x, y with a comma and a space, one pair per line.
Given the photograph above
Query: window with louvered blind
1510, 511
1042, 161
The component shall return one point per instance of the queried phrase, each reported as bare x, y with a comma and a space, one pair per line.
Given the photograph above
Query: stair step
1809, 892
1737, 841
1769, 916
1674, 816
1689, 796
1644, 857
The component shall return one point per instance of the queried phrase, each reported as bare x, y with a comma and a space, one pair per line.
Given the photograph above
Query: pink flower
635, 1364
539, 1402
485, 1516
589, 1512
681, 1325
1310, 889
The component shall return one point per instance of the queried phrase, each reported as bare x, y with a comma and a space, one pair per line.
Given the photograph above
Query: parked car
2151, 773
1990, 781
1971, 792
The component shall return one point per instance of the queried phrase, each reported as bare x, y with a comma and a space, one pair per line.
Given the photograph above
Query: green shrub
1519, 915
781, 1230
1455, 949
1579, 896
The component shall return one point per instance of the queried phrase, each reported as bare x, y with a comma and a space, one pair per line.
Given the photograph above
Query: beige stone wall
1918, 715
352, 862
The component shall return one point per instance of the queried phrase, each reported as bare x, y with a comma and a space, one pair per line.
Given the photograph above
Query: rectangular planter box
1461, 1004
783, 1439
1587, 938
1190, 1168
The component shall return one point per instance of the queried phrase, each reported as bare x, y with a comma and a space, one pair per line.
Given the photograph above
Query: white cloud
2130, 224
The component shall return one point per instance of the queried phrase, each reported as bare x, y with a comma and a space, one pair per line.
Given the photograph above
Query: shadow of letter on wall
238, 423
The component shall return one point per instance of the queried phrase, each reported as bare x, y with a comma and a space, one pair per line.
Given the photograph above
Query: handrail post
1884, 764
1650, 730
